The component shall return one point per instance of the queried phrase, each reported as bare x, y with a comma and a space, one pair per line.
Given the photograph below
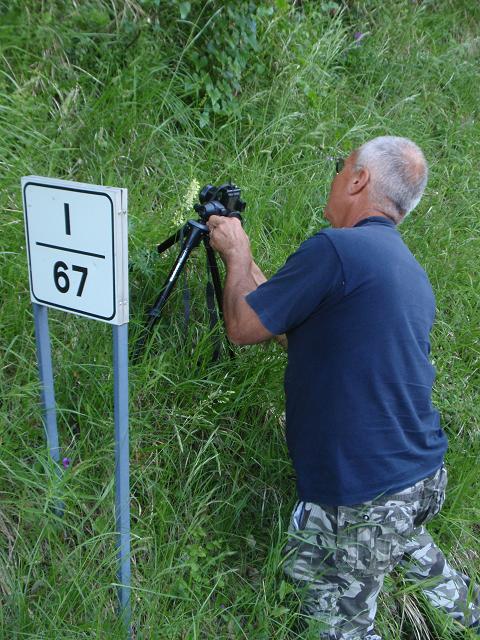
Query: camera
220, 201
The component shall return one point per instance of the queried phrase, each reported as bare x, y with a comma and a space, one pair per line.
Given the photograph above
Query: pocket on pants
372, 538
310, 548
438, 493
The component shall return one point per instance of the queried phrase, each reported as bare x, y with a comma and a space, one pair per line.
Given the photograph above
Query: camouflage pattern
339, 556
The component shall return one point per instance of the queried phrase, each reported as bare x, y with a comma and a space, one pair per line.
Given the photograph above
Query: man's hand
228, 238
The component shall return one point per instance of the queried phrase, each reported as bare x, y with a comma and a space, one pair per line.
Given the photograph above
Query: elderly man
364, 438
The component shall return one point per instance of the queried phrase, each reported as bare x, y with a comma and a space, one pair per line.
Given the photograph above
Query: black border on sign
52, 304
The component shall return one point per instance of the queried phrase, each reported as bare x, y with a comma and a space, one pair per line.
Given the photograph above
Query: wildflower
188, 200
66, 463
358, 36
191, 195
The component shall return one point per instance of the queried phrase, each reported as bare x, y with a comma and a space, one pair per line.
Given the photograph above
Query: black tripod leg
192, 240
217, 283
217, 286
169, 242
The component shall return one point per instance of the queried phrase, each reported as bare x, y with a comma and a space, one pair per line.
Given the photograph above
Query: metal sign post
122, 494
77, 244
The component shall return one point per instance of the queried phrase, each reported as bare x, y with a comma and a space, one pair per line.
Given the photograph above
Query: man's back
357, 308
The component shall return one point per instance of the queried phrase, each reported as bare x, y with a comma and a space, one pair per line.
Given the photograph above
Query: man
365, 440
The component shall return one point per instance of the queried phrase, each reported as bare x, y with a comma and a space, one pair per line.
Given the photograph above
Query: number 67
61, 279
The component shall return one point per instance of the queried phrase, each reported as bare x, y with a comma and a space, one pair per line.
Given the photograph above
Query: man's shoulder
318, 241
341, 239
382, 236
342, 234
332, 233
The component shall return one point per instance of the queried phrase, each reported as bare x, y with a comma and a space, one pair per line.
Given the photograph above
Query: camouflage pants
340, 556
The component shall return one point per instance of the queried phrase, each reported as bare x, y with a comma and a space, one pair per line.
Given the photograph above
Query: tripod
190, 235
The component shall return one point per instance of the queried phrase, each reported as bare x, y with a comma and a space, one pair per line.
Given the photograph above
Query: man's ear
358, 181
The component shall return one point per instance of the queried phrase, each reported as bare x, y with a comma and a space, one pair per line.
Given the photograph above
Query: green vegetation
150, 95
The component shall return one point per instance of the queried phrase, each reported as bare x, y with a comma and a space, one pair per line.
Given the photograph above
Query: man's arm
310, 276
242, 324
259, 279
257, 274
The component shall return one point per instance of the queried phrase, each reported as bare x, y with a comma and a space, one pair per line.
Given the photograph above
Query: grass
96, 92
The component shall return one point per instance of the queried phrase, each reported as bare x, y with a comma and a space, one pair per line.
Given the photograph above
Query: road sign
77, 247
77, 243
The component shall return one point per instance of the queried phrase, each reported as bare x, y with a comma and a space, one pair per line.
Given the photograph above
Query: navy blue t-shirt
357, 309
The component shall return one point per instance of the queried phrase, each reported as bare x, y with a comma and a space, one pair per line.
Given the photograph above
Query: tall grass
96, 91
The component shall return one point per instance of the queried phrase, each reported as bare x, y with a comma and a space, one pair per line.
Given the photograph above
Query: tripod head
214, 201
220, 201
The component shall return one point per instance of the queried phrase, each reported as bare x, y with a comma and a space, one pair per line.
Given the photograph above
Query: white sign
77, 247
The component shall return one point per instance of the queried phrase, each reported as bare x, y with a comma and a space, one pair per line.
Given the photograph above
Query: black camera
220, 201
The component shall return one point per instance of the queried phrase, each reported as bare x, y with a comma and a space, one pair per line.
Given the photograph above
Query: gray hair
398, 173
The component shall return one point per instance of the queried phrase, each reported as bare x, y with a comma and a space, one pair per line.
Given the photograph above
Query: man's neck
357, 216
